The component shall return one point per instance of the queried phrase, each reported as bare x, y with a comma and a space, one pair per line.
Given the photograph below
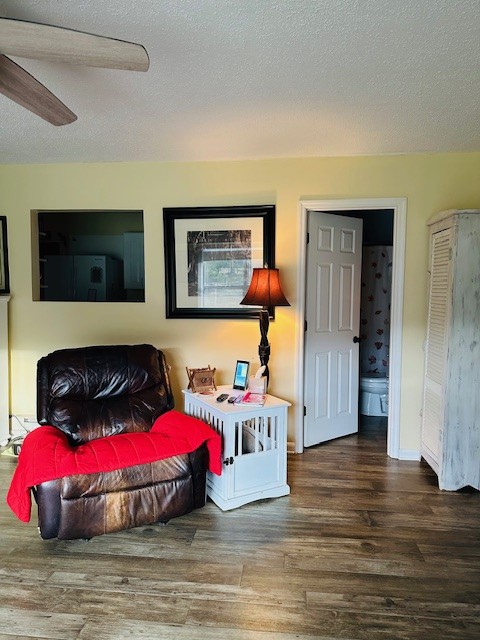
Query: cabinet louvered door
439, 306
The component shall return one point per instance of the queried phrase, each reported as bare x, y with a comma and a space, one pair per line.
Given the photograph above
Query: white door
333, 281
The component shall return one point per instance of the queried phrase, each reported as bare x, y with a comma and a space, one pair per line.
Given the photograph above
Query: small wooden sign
201, 380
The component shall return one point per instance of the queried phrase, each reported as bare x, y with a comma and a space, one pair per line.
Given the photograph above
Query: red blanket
46, 454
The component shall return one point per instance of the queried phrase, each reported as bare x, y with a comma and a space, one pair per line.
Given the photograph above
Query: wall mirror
88, 256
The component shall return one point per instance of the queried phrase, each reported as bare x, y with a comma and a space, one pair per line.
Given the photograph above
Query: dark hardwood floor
365, 547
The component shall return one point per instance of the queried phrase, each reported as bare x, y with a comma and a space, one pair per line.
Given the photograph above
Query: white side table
254, 448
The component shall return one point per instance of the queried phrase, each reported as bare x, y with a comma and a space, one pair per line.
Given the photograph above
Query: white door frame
399, 207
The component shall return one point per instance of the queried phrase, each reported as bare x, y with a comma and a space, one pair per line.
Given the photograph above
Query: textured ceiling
236, 79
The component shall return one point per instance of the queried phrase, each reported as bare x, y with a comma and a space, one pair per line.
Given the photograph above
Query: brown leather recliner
95, 392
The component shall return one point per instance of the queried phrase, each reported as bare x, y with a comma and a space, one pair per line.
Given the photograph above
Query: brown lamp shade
265, 289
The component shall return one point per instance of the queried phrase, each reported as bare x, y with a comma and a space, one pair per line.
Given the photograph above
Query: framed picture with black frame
210, 253
4, 272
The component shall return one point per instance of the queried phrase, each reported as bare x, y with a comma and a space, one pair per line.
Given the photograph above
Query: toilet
373, 394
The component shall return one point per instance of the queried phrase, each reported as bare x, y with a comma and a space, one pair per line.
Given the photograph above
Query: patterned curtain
375, 309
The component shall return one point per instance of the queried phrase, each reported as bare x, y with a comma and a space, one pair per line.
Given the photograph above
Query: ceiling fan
56, 44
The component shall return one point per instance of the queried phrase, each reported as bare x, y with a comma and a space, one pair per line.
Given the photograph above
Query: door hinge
304, 410
308, 238
305, 326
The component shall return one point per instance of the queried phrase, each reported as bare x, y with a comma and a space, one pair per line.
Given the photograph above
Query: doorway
375, 305
358, 207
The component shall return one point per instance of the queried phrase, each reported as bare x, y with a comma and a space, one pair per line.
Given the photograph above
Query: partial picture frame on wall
210, 253
4, 272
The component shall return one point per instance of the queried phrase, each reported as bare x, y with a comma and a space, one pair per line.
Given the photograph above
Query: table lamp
265, 291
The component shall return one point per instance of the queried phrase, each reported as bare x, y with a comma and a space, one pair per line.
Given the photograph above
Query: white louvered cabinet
451, 398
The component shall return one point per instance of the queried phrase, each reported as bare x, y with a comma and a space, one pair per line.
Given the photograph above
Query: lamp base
264, 347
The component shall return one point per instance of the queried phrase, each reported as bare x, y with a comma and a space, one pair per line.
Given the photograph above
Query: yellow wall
429, 182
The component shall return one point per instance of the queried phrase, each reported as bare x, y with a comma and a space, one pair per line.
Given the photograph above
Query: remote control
222, 397
231, 399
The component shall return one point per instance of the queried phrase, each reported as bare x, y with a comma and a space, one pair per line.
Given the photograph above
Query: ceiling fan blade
18, 85
45, 42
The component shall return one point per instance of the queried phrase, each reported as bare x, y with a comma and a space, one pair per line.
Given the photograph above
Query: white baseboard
409, 454
403, 454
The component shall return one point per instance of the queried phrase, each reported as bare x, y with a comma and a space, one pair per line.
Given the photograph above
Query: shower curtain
375, 309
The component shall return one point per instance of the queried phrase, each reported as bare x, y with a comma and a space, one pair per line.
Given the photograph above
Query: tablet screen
240, 378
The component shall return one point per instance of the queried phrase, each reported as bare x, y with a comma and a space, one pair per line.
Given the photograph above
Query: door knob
356, 339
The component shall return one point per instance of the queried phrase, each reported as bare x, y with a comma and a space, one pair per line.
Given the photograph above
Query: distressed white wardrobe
451, 405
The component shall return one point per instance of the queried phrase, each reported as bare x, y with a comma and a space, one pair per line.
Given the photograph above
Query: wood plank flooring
364, 548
